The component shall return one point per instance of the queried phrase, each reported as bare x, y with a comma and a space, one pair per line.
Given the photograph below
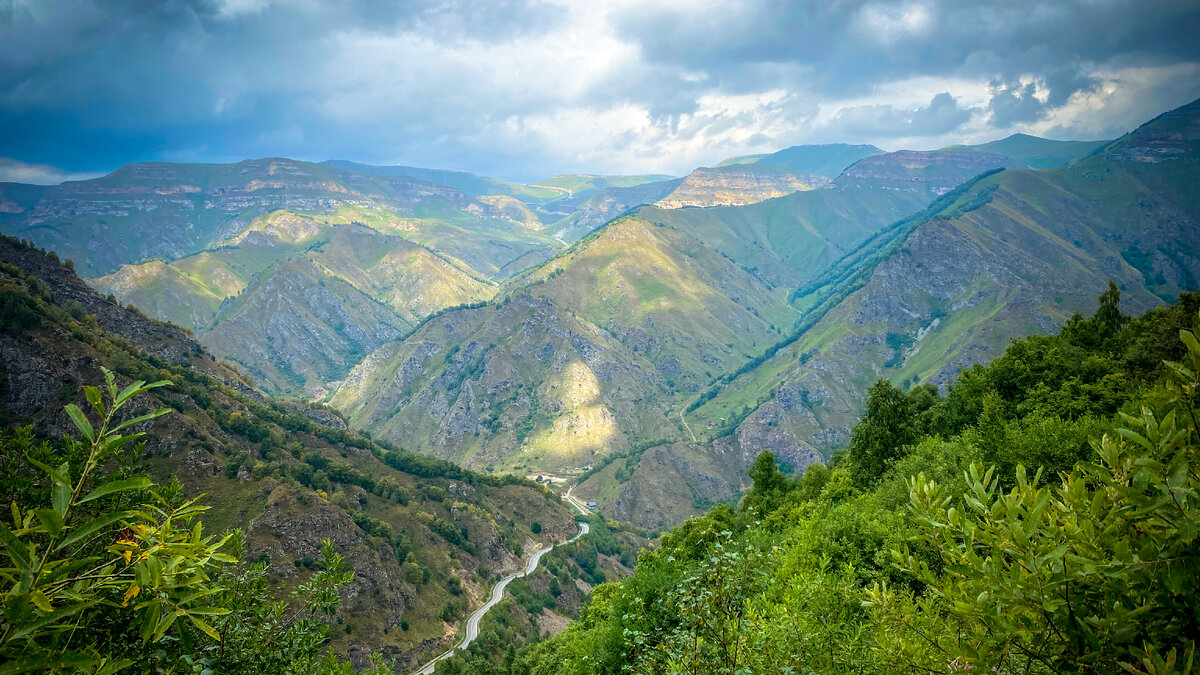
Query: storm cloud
523, 89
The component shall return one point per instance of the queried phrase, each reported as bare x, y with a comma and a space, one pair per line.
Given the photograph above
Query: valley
607, 321
385, 356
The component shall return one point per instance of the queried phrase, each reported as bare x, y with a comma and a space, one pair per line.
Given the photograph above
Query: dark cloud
88, 84
941, 116
1015, 105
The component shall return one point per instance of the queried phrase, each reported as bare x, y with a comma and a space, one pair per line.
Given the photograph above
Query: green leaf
59, 615
51, 520
93, 396
1190, 340
141, 418
109, 667
41, 601
17, 549
164, 625
204, 626
91, 527
56, 475
60, 494
81, 422
112, 443
138, 483
209, 611
131, 390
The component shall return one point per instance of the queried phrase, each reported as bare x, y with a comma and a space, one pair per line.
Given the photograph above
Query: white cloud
1125, 98
524, 87
14, 171
888, 24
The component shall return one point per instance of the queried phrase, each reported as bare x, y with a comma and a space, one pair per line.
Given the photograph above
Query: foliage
1041, 517
115, 572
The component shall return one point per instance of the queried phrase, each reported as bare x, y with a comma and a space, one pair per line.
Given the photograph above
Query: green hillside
676, 298
1035, 152
823, 160
297, 302
423, 538
1009, 254
519, 385
1039, 518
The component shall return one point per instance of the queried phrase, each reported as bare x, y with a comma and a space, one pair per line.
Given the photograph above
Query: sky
527, 89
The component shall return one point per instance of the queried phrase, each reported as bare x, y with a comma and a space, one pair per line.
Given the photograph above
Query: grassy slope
1016, 253
1071, 227
1035, 152
520, 385
61, 352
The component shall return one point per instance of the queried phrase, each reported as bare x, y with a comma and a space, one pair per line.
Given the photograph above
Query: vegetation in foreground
1039, 518
105, 571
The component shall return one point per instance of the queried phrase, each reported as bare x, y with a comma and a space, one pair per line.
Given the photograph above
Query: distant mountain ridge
828, 160
530, 332
1035, 152
296, 270
754, 178
1007, 254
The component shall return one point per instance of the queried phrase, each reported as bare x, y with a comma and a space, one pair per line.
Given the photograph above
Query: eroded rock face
294, 525
930, 173
735, 186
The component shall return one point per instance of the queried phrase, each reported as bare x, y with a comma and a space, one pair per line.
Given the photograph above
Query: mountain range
646, 336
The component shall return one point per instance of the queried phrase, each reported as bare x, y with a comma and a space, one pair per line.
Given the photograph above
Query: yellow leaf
131, 593
42, 602
128, 555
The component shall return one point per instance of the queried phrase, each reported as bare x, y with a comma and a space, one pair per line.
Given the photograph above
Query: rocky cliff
737, 185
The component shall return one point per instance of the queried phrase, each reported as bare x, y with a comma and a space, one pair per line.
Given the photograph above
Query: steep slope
684, 295
519, 385
927, 174
571, 218
1035, 152
298, 302
188, 291
421, 535
1011, 253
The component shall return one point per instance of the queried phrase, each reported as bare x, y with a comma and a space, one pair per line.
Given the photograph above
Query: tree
883, 433
67, 562
769, 484
114, 558
1098, 573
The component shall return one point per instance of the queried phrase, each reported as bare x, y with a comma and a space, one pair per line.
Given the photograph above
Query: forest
1040, 517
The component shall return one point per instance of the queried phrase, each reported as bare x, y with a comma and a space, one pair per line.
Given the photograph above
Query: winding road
576, 502
497, 596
